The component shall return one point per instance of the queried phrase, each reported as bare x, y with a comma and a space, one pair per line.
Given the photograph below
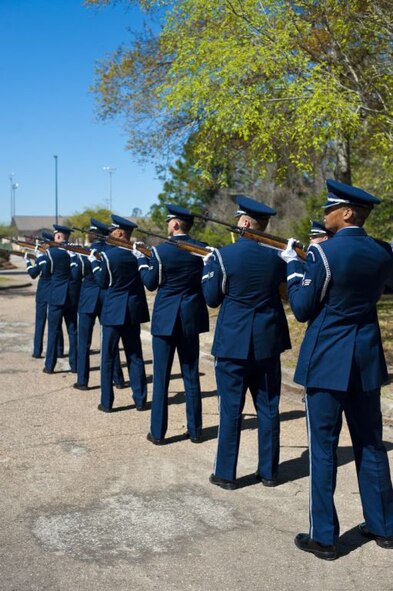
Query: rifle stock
129, 245
182, 244
257, 235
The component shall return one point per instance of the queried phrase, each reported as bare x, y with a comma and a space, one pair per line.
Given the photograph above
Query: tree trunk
342, 171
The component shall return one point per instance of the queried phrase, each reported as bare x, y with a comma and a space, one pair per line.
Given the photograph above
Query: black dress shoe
141, 407
73, 370
80, 386
103, 409
304, 542
227, 484
198, 439
266, 481
36, 356
382, 541
47, 370
120, 386
153, 440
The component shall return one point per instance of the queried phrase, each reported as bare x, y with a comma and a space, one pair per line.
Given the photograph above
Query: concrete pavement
87, 503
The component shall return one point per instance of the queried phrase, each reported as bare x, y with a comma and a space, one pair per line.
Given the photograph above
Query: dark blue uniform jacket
57, 266
90, 292
44, 282
336, 292
118, 274
177, 274
244, 278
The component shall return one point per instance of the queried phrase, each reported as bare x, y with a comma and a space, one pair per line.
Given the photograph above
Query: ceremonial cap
179, 213
318, 229
46, 235
341, 194
97, 226
255, 209
123, 223
63, 229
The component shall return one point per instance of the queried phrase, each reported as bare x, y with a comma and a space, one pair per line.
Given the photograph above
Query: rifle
257, 235
182, 244
126, 244
29, 245
73, 248
17, 253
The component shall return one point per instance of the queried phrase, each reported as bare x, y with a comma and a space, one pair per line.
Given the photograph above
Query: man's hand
289, 254
207, 257
137, 253
92, 256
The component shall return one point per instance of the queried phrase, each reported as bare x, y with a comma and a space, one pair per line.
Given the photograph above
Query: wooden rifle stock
182, 244
257, 235
129, 245
276, 242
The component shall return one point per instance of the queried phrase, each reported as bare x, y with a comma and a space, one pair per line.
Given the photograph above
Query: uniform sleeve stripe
143, 267
159, 265
224, 273
327, 269
294, 275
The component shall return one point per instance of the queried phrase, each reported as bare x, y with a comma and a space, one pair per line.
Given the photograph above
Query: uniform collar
180, 237
351, 231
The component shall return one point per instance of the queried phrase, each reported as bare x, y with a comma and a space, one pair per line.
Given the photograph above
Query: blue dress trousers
91, 300
179, 316
342, 366
63, 302
124, 310
251, 332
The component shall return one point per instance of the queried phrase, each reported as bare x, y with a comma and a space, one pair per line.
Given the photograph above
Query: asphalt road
88, 504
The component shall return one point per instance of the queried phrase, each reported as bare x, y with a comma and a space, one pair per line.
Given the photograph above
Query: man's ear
347, 214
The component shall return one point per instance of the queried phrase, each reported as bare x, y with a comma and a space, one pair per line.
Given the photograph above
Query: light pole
110, 170
56, 192
13, 187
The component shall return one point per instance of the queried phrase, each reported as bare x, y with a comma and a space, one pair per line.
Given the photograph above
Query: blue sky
49, 49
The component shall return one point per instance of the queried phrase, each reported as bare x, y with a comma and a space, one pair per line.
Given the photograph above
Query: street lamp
56, 192
110, 170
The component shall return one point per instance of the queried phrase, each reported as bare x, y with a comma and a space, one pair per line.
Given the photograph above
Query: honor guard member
342, 365
124, 310
251, 333
41, 300
90, 306
63, 299
318, 233
179, 315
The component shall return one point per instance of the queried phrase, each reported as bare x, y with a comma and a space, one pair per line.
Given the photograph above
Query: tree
81, 220
278, 81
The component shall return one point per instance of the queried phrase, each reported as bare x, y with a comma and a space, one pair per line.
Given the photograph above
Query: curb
18, 286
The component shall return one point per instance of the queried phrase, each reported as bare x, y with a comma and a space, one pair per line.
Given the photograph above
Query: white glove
37, 252
137, 253
207, 257
26, 257
289, 254
92, 257
71, 254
